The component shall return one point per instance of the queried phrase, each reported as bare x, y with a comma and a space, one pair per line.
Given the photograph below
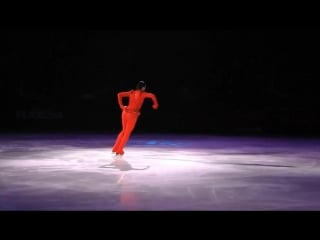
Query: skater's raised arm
120, 96
154, 100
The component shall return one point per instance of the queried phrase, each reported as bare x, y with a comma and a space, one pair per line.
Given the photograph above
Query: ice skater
131, 113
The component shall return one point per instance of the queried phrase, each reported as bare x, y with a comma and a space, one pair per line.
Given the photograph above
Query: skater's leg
120, 135
130, 124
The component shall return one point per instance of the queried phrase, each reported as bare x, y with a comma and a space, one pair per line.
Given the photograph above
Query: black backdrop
206, 80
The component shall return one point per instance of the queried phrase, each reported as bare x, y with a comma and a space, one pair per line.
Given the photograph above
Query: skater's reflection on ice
128, 197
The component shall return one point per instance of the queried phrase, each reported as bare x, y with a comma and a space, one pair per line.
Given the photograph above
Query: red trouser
129, 120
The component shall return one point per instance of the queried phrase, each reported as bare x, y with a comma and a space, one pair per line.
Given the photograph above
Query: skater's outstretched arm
120, 96
154, 100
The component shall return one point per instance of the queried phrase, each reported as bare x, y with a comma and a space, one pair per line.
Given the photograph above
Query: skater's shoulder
124, 92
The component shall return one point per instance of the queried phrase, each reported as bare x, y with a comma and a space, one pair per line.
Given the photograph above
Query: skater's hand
155, 106
123, 107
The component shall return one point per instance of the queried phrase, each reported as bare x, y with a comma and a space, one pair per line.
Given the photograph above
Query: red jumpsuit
130, 115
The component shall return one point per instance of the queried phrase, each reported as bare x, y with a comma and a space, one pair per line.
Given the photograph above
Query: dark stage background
225, 81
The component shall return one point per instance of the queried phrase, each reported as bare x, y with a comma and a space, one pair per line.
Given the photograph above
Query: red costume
130, 115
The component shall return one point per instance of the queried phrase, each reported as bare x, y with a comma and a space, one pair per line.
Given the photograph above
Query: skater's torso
136, 99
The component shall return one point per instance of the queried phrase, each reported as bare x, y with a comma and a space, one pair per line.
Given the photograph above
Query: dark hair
141, 84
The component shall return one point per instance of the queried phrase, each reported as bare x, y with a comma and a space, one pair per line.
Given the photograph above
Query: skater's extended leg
130, 123
120, 135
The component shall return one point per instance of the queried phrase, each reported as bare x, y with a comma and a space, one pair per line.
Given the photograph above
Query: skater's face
141, 89
141, 86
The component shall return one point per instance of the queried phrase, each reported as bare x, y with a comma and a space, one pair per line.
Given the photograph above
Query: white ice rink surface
186, 172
